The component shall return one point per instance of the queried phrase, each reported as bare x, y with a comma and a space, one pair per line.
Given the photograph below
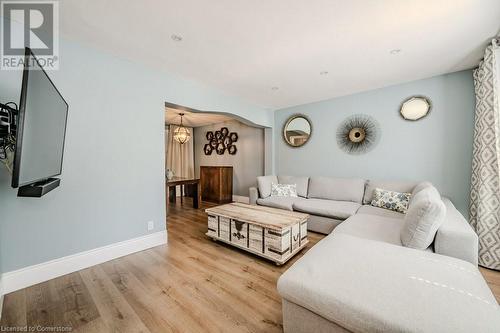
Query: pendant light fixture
181, 133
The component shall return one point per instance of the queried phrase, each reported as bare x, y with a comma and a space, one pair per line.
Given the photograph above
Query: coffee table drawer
256, 238
295, 235
277, 244
239, 233
303, 232
224, 225
213, 225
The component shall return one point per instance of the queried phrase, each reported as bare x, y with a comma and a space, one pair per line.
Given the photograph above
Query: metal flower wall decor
358, 134
220, 141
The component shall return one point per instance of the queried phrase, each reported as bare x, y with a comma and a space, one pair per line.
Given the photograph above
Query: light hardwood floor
191, 285
493, 279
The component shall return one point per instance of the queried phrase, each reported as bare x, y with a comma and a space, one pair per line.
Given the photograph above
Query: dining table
194, 183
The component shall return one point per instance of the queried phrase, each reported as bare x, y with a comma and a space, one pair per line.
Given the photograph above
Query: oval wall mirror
297, 130
415, 108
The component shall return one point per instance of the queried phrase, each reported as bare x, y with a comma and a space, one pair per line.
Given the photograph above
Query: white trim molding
32, 275
242, 199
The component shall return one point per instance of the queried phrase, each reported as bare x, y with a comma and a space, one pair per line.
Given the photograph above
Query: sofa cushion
398, 186
322, 224
369, 286
279, 202
264, 184
302, 183
370, 210
423, 218
373, 227
328, 208
391, 200
341, 189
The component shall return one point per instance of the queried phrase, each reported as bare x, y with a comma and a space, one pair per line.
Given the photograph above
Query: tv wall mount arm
8, 128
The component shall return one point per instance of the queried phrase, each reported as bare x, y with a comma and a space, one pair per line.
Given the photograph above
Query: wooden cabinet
216, 183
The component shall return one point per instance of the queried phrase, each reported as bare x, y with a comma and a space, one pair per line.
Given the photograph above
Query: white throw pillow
419, 187
391, 200
425, 215
301, 182
284, 190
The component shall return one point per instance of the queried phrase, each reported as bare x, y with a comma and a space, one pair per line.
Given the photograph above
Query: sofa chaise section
351, 284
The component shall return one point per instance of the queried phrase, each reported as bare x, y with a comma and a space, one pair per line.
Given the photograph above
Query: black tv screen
41, 126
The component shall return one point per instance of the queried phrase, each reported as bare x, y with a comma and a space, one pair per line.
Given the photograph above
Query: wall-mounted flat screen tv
41, 127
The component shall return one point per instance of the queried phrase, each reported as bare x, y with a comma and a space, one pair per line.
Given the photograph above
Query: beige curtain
180, 158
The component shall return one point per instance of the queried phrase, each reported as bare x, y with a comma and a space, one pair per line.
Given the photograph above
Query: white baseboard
242, 199
32, 275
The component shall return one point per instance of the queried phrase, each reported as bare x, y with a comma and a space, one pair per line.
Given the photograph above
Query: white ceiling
194, 119
247, 47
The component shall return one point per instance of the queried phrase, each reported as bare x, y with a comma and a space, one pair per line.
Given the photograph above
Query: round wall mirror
415, 108
297, 131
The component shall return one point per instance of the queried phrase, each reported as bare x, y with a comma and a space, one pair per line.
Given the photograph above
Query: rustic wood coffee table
274, 234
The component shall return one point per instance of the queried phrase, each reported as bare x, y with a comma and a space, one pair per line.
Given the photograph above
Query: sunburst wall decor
358, 134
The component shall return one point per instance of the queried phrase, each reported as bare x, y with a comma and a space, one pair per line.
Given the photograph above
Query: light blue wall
113, 172
437, 148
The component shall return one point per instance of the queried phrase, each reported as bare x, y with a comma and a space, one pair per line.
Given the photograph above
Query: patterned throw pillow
391, 200
283, 190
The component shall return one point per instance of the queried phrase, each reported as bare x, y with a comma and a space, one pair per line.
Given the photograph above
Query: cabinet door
210, 182
226, 190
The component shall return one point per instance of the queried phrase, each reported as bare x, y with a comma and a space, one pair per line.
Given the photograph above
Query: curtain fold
180, 158
485, 179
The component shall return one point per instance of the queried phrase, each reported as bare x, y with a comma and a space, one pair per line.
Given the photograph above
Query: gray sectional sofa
361, 278
345, 203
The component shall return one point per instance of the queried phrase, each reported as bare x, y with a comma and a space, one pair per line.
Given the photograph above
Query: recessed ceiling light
274, 88
323, 72
395, 51
176, 38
